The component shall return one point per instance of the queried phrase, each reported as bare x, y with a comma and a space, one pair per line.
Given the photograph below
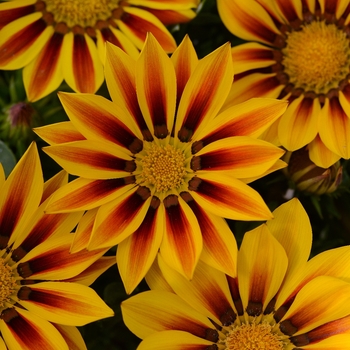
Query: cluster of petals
304, 302
44, 292
53, 40
164, 103
318, 115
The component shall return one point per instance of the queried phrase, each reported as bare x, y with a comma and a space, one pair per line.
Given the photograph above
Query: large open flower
299, 51
277, 300
43, 289
63, 39
160, 163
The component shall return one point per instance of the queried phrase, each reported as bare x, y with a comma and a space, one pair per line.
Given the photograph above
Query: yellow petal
157, 311
320, 154
262, 264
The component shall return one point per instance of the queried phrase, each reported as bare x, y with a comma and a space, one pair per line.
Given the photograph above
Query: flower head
298, 51
158, 166
62, 39
276, 300
43, 289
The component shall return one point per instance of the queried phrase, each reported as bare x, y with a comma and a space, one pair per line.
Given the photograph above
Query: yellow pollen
84, 13
8, 283
253, 337
163, 168
317, 57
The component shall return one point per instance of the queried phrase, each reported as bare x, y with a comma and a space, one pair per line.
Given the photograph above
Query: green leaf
7, 158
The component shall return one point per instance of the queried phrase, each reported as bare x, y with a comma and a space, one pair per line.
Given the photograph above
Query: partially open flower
308, 177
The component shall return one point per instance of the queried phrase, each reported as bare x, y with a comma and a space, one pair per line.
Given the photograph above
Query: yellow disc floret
253, 336
316, 57
163, 167
8, 283
84, 13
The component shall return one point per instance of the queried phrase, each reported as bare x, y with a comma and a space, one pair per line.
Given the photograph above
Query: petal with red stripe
137, 252
116, 220
81, 66
135, 23
182, 242
156, 88
100, 119
85, 194
44, 74
228, 197
24, 330
12, 10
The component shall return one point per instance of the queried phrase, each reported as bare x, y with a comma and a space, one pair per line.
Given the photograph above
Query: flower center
84, 13
316, 57
163, 167
7, 283
253, 337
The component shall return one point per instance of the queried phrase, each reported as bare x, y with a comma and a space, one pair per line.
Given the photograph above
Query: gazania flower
158, 163
298, 51
63, 39
276, 300
43, 290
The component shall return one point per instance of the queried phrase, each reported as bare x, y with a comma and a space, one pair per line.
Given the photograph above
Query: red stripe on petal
83, 66
45, 65
7, 16
20, 41
108, 35
23, 331
140, 27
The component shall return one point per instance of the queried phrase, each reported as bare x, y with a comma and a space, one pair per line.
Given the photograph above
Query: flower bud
309, 177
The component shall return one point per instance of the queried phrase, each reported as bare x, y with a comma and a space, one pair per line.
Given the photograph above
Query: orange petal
253, 85
205, 93
262, 264
121, 82
118, 219
24, 330
157, 311
92, 159
248, 20
207, 292
181, 251
137, 252
20, 196
22, 40
51, 260
81, 66
100, 119
44, 74
64, 303
228, 197
299, 124
10, 11
184, 60
219, 244
85, 194
136, 23
72, 337
335, 128
238, 155
251, 56
156, 88
57, 133
250, 118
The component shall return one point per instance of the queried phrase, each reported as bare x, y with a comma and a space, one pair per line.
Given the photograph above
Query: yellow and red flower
56, 40
277, 299
44, 289
299, 50
157, 166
